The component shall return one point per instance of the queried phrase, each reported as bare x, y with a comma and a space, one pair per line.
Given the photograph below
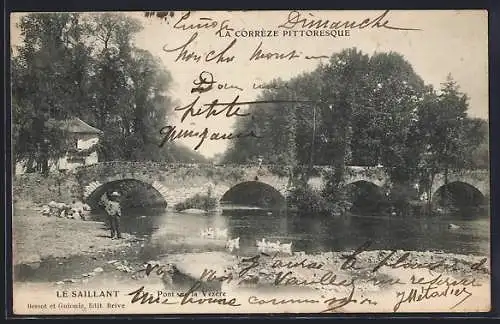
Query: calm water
311, 234
161, 230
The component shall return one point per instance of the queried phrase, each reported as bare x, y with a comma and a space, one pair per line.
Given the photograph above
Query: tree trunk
429, 191
446, 186
343, 152
44, 158
313, 147
30, 164
339, 162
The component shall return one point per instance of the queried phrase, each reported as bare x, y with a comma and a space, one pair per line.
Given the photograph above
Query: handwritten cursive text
295, 19
185, 54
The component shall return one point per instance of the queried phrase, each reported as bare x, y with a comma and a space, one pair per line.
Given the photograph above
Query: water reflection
316, 234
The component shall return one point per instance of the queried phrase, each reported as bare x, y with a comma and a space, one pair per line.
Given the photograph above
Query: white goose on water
233, 244
261, 245
273, 247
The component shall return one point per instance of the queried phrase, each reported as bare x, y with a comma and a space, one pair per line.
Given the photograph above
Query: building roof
76, 125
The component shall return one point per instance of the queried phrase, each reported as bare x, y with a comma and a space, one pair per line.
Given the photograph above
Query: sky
446, 42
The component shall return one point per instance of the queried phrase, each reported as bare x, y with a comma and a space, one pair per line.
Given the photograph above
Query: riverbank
420, 282
36, 237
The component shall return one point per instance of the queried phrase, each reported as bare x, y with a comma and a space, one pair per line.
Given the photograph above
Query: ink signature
437, 287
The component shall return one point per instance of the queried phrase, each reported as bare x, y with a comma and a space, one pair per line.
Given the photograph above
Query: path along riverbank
36, 237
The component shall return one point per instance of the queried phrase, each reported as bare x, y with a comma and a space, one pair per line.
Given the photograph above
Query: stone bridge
174, 183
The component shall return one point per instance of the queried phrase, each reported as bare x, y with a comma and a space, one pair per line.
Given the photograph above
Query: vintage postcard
169, 162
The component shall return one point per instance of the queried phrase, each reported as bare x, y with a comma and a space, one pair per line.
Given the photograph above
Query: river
159, 232
317, 234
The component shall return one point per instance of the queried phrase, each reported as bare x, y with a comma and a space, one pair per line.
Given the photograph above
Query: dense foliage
366, 111
198, 201
87, 66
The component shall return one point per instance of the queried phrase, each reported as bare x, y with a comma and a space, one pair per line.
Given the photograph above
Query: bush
307, 200
198, 201
400, 198
325, 202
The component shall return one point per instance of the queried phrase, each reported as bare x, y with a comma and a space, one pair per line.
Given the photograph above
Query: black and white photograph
238, 162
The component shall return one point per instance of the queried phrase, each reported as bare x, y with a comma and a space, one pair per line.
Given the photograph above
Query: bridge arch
94, 190
365, 195
461, 194
253, 193
363, 182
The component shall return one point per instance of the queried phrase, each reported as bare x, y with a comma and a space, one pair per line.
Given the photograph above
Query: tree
450, 137
87, 66
374, 98
111, 36
475, 143
274, 123
363, 110
396, 92
344, 83
42, 85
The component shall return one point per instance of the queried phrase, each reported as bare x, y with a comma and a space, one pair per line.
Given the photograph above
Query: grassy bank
36, 237
198, 201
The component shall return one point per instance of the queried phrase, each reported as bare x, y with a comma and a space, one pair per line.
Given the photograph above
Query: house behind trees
80, 149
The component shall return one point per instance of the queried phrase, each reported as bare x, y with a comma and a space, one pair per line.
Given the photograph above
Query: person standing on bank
113, 210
